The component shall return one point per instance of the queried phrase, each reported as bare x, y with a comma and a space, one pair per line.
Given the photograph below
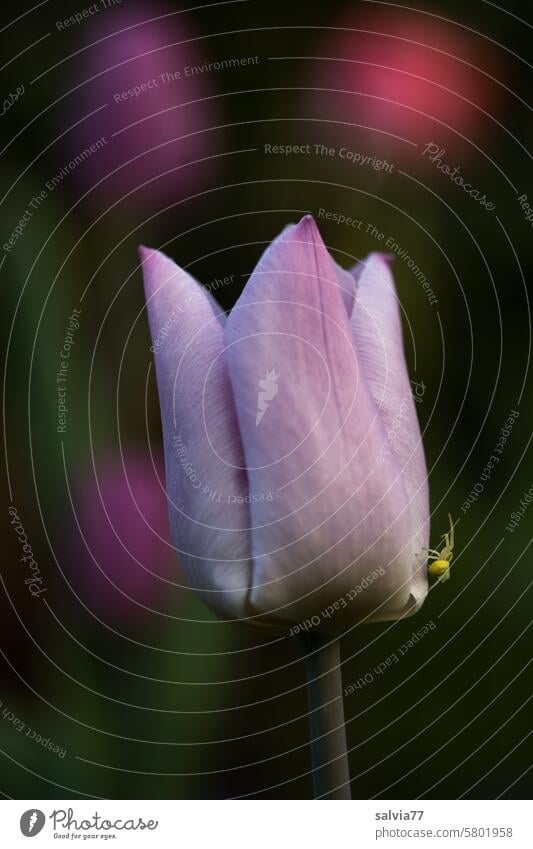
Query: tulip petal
347, 285
325, 513
206, 481
378, 335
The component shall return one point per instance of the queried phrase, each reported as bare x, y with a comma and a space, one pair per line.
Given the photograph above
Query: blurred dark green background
115, 663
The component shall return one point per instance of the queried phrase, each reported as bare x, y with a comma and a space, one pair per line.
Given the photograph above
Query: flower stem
329, 758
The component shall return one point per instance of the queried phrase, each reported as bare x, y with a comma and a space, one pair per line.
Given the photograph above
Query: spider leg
432, 552
451, 530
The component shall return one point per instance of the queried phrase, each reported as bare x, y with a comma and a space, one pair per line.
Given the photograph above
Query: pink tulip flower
295, 485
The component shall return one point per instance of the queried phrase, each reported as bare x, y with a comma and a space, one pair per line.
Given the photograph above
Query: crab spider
440, 567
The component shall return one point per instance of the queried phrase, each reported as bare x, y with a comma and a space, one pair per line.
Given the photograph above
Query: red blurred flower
411, 71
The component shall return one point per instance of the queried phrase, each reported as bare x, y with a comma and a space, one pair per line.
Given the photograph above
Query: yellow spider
440, 567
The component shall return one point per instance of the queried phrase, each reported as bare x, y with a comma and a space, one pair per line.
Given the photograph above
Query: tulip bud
295, 393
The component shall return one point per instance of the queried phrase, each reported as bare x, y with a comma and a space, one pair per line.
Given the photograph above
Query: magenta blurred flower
139, 73
293, 487
127, 560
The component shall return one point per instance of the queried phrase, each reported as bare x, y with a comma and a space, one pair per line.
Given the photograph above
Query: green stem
329, 758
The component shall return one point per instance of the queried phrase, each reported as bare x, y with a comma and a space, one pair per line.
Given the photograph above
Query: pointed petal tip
157, 269
307, 227
305, 230
384, 259
387, 258
148, 257
152, 254
145, 253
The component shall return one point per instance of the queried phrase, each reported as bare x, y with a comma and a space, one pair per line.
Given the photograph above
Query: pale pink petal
206, 483
378, 336
313, 441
